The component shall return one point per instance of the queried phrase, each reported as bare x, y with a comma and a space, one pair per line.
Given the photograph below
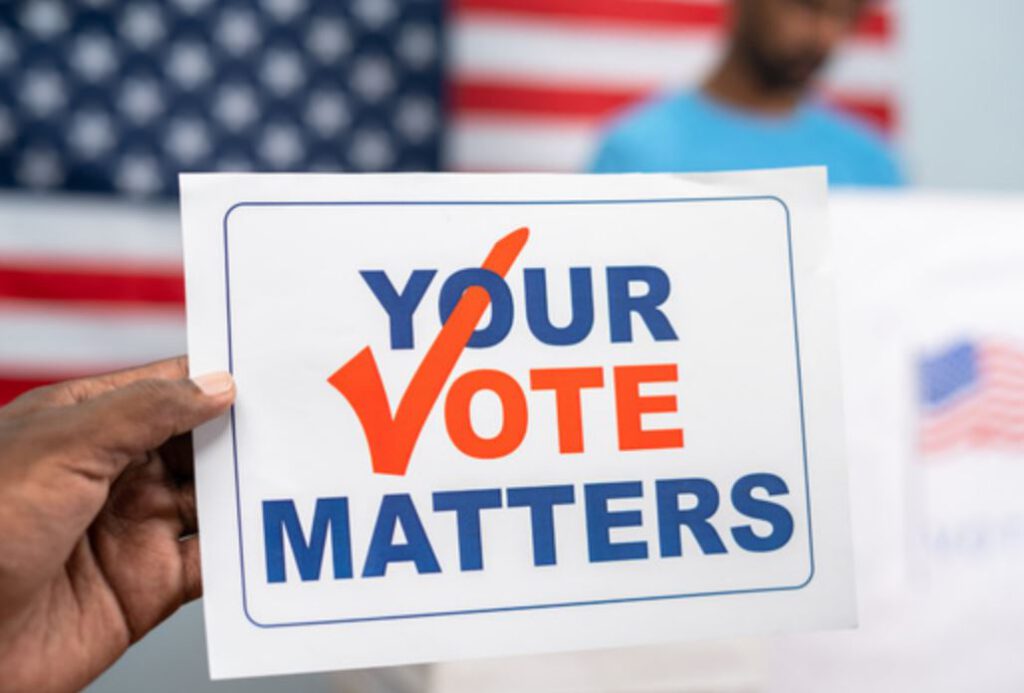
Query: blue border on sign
522, 203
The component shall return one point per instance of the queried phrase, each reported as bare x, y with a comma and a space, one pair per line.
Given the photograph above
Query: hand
98, 538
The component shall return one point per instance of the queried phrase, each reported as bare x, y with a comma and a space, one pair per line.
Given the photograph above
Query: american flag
532, 81
972, 397
115, 97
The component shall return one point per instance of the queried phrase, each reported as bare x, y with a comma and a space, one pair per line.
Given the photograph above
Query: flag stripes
973, 397
86, 286
875, 24
81, 282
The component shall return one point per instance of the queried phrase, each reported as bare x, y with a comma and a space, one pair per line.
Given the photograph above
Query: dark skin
776, 48
98, 538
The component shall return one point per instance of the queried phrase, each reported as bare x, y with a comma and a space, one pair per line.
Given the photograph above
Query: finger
186, 501
81, 389
178, 457
39, 398
86, 388
191, 569
123, 424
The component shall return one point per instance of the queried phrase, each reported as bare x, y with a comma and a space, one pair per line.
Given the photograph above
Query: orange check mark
391, 439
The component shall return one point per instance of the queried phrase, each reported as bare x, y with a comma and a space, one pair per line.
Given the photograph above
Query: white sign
489, 415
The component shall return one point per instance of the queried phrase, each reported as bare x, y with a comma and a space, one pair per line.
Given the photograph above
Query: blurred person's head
786, 42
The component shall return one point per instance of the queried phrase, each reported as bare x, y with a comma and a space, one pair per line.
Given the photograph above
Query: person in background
756, 109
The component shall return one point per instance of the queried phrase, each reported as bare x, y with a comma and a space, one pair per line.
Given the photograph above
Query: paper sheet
501, 414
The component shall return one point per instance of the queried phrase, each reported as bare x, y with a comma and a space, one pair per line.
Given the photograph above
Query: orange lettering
457, 414
631, 406
567, 384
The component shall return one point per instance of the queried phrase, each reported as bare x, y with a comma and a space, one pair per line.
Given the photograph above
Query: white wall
963, 76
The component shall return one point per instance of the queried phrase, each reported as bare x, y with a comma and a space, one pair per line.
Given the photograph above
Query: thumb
125, 423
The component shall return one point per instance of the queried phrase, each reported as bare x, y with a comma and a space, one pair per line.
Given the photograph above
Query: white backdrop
963, 101
939, 542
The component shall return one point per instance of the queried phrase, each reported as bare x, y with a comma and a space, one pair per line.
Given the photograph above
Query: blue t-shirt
689, 132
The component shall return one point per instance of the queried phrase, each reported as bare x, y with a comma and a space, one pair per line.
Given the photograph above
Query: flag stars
8, 127
39, 167
328, 40
189, 64
374, 13
237, 31
372, 149
94, 57
327, 112
373, 78
45, 19
188, 140
192, 7
236, 106
8, 49
141, 100
417, 118
284, 10
282, 71
43, 91
91, 133
418, 46
106, 94
281, 146
138, 175
142, 25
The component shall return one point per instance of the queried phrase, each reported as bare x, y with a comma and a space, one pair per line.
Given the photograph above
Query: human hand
98, 538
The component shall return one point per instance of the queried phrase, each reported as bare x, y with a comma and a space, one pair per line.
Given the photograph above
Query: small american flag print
972, 397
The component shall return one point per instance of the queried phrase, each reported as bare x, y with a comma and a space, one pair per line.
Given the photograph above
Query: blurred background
104, 102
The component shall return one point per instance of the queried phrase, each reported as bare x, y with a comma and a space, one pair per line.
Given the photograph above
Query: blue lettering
501, 303
398, 509
399, 306
773, 513
600, 521
330, 516
541, 501
621, 304
671, 518
538, 317
467, 506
